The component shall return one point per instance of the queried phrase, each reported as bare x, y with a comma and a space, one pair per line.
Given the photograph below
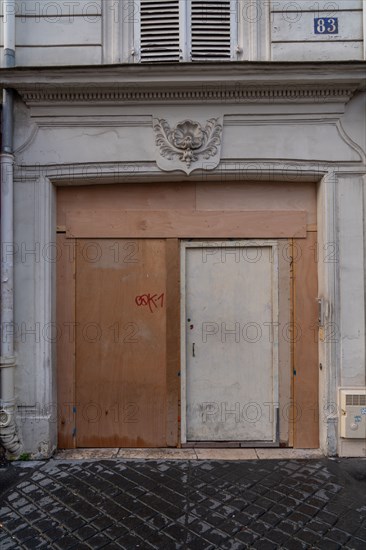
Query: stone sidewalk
192, 504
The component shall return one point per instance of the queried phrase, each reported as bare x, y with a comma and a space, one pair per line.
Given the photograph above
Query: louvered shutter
211, 29
186, 30
159, 30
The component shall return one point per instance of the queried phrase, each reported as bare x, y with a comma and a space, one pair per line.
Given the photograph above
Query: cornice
201, 94
236, 82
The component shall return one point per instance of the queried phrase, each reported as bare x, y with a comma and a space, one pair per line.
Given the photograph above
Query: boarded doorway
118, 309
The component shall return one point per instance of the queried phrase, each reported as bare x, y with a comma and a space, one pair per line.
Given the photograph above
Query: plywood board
306, 368
65, 319
173, 340
121, 343
185, 224
149, 196
258, 196
284, 351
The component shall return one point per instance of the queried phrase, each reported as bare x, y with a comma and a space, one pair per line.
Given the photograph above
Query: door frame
271, 243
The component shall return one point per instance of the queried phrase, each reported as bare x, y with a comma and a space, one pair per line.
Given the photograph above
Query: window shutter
159, 30
210, 30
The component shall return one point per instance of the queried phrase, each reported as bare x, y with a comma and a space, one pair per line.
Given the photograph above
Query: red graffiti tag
152, 301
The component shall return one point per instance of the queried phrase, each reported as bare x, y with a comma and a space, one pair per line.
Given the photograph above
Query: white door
230, 341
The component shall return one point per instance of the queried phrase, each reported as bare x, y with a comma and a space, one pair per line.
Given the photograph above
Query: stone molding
206, 94
188, 144
190, 83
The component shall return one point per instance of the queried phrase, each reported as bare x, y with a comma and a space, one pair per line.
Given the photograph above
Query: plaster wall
92, 32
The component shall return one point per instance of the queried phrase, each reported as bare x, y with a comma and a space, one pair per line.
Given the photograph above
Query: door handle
193, 350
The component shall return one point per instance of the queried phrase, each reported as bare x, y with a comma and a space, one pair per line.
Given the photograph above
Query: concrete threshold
188, 454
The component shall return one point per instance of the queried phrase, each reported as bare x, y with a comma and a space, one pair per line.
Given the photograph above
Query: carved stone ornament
188, 145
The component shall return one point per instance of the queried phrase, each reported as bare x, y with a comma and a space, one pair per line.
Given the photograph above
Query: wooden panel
185, 224
153, 196
258, 196
306, 367
284, 351
65, 311
173, 339
121, 343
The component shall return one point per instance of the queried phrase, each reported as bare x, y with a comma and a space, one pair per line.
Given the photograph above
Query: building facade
186, 261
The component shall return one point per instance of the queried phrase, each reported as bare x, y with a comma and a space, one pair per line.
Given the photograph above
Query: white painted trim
44, 306
364, 28
137, 36
118, 17
328, 289
275, 301
183, 348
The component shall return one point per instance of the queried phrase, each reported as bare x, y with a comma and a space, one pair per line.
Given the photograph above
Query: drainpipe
8, 428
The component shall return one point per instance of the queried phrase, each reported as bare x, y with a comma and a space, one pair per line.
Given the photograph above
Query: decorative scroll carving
187, 145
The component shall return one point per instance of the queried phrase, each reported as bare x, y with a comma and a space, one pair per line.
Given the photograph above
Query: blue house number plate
326, 25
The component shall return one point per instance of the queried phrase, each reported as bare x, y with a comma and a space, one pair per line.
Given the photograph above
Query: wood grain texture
185, 224
173, 339
306, 368
150, 196
284, 351
121, 344
65, 319
238, 195
258, 196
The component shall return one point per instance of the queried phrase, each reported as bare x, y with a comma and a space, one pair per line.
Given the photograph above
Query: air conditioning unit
353, 413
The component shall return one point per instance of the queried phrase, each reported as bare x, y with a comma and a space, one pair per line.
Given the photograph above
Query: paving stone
308, 536
66, 542
85, 532
264, 544
216, 537
15, 525
295, 544
167, 504
25, 534
327, 517
338, 536
355, 544
307, 510
231, 527
246, 536
98, 541
35, 544
232, 545
327, 544
54, 533
317, 527
8, 543
300, 519
288, 527
277, 536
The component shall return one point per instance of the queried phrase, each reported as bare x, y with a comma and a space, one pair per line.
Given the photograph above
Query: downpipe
9, 437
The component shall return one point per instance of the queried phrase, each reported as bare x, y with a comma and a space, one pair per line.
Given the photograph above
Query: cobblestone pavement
265, 504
